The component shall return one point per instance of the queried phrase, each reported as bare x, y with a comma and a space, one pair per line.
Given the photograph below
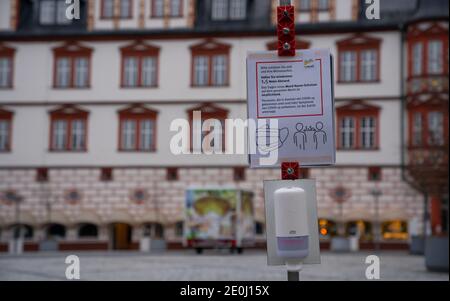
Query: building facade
86, 107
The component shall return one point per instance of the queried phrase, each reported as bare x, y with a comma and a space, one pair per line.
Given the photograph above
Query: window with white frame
63, 72
139, 71
219, 70
417, 58
176, 8
59, 135
81, 72
201, 70
128, 133
147, 134
5, 72
219, 9
131, 70
108, 8
323, 5
348, 66
238, 9
417, 129
5, 130
435, 128
305, 5
347, 132
435, 57
78, 135
369, 65
368, 132
157, 8
137, 134
229, 10
53, 12
72, 72
125, 8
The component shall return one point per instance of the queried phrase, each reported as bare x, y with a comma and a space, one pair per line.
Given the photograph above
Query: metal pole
377, 220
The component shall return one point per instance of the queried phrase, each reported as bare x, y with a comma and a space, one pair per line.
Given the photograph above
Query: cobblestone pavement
212, 265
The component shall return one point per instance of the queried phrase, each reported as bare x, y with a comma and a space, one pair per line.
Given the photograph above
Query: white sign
297, 92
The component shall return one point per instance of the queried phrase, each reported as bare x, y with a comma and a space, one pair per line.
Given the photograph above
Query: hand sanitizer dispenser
291, 223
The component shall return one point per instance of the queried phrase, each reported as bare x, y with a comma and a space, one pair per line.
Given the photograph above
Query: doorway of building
121, 236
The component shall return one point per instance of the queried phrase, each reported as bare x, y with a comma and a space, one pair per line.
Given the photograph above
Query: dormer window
53, 12
125, 9
223, 10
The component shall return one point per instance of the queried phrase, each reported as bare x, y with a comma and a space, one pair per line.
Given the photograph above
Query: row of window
358, 128
53, 12
359, 61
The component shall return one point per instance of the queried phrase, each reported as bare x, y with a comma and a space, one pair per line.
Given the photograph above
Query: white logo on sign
373, 10
73, 10
373, 270
73, 270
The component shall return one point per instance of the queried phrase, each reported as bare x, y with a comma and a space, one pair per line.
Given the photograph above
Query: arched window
88, 230
22, 230
56, 231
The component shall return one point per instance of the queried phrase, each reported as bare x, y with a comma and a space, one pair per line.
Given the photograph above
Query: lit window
5, 72
347, 132
435, 63
417, 54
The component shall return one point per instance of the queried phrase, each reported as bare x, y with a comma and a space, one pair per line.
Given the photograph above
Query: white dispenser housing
291, 222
